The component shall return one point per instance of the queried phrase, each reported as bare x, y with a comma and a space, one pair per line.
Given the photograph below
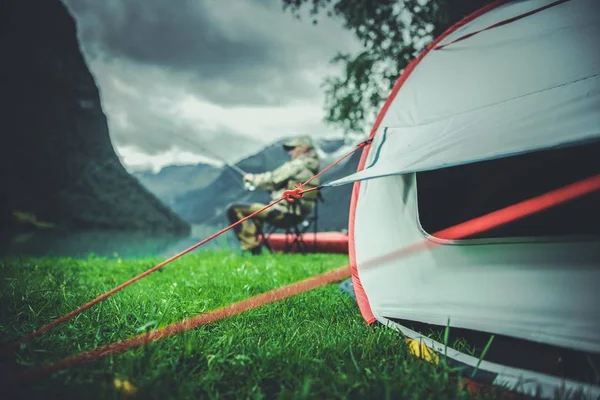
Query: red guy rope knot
297, 193
292, 194
364, 143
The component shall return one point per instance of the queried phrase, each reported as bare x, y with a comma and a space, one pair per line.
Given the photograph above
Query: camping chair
294, 232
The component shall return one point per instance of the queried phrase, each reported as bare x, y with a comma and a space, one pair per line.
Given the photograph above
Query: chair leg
263, 238
294, 239
303, 247
299, 241
286, 247
266, 243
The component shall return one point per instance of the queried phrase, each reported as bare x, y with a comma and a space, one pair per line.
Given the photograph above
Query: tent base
520, 379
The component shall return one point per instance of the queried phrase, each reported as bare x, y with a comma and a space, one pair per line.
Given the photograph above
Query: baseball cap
304, 141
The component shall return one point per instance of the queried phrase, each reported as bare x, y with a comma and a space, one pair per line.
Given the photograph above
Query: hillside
59, 168
176, 180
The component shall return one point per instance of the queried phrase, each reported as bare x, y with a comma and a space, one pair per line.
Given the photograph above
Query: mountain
58, 166
175, 180
209, 204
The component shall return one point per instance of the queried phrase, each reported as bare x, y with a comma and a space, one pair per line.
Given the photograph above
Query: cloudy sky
181, 79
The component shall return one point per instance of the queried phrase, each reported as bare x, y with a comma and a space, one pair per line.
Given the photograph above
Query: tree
392, 32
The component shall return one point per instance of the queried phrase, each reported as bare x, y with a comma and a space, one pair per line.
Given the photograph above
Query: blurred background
118, 116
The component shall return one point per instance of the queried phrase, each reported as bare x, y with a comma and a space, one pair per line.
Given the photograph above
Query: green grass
314, 345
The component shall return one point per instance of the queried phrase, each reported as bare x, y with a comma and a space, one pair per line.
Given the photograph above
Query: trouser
247, 231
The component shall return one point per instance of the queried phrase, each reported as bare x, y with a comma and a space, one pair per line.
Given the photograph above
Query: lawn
313, 345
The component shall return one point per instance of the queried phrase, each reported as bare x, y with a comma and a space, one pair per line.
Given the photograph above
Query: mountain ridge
206, 204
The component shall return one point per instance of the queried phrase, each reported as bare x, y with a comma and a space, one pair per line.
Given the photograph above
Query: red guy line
185, 325
100, 298
476, 225
358, 147
496, 218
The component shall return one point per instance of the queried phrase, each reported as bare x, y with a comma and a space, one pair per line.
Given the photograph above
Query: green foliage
392, 32
314, 345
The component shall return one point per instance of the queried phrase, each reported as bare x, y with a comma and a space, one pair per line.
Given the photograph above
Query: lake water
114, 244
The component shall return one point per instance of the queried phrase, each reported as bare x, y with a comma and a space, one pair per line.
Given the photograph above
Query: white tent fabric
531, 84
540, 290
528, 85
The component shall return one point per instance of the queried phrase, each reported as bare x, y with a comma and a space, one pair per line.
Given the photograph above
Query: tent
505, 105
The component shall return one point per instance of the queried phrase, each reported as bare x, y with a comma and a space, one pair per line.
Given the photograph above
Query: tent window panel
449, 196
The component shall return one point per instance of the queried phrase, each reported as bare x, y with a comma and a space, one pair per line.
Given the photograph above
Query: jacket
287, 177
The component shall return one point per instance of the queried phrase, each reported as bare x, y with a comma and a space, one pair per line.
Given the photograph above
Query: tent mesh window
449, 196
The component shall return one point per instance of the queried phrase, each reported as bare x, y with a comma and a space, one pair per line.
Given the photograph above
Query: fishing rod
247, 185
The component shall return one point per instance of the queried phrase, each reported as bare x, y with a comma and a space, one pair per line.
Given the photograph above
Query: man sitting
303, 165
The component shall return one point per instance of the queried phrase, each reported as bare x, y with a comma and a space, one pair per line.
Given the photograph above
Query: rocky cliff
57, 164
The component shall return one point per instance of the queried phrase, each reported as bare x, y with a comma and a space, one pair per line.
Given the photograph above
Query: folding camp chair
294, 232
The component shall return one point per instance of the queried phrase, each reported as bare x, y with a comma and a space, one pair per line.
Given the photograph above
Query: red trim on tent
501, 23
361, 296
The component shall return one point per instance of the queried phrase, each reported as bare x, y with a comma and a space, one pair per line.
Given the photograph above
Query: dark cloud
143, 116
228, 51
227, 76
180, 35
